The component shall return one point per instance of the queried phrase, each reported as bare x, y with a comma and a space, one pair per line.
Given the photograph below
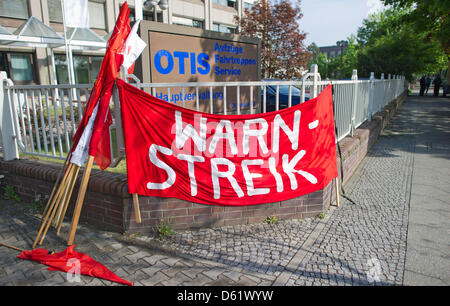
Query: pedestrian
422, 82
437, 84
427, 84
445, 87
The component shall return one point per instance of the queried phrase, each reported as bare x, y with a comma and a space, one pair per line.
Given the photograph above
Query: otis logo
187, 61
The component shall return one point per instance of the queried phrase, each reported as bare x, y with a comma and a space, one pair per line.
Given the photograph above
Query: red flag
227, 159
72, 261
99, 145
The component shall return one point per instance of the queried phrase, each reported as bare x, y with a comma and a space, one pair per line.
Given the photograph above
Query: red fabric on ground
59, 262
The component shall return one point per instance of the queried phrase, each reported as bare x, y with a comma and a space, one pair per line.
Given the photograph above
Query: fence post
315, 72
8, 136
355, 99
371, 96
384, 92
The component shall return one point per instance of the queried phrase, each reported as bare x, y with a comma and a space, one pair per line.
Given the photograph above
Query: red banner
227, 159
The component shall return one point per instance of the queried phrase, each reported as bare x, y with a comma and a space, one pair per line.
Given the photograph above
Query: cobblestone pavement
359, 243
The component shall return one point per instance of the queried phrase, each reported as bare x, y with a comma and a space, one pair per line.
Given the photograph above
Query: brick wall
108, 206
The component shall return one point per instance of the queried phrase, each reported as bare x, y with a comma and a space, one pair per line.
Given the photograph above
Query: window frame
15, 17
10, 71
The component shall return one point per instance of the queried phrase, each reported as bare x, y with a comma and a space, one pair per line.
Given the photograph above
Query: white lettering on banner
228, 135
288, 168
191, 160
273, 170
224, 130
250, 176
259, 134
162, 165
291, 134
215, 173
182, 135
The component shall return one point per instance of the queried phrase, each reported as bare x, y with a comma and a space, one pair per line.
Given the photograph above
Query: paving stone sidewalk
356, 244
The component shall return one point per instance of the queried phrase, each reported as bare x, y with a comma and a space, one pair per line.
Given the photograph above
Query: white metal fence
43, 118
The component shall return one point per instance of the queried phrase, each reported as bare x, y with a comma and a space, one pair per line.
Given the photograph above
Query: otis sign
201, 63
177, 54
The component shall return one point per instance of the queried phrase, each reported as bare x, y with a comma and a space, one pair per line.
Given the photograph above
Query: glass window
96, 63
97, 15
14, 8
62, 75
223, 28
248, 6
85, 68
221, 2
54, 10
230, 3
187, 22
4, 63
21, 66
81, 64
147, 15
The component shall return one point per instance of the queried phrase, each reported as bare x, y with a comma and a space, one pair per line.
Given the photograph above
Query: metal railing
45, 117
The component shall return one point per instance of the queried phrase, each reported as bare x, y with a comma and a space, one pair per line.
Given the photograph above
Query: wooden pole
336, 187
60, 205
137, 211
122, 75
55, 209
58, 181
67, 200
11, 247
55, 199
80, 198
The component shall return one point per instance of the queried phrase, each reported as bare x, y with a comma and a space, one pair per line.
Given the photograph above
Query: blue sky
327, 21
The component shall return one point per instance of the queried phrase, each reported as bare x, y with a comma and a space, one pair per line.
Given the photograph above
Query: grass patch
271, 220
164, 231
10, 194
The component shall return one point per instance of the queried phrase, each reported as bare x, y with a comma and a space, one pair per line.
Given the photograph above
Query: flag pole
67, 200
336, 187
80, 199
51, 208
137, 211
69, 60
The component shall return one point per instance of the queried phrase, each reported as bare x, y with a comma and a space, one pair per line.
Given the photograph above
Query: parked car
283, 96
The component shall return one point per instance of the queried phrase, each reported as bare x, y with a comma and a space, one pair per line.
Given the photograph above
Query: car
283, 96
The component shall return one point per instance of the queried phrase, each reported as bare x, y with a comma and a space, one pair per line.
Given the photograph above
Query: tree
389, 45
430, 18
283, 52
318, 58
349, 60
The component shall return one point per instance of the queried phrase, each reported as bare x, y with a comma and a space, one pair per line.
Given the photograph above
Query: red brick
230, 215
175, 212
200, 211
174, 204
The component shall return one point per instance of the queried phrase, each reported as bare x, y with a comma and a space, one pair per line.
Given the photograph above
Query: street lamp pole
342, 44
163, 5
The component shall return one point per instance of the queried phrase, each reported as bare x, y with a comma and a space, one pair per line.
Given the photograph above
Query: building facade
28, 65
332, 51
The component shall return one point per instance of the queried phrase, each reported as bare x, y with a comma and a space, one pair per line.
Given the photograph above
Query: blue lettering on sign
202, 60
158, 66
199, 64
181, 56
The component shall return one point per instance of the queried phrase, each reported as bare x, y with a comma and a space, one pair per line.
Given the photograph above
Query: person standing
437, 84
445, 87
422, 82
427, 84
